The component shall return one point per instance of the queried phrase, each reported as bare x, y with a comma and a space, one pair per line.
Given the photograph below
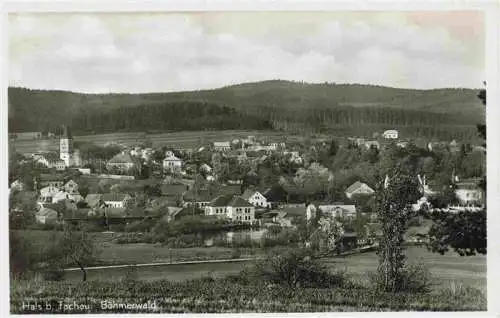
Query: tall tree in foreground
394, 199
77, 247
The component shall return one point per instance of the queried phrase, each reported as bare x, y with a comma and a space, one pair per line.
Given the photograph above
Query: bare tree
77, 247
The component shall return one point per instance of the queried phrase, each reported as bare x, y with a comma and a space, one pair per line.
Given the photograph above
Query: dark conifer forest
352, 109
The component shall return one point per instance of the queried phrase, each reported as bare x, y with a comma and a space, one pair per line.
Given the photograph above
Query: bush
414, 278
53, 274
236, 253
130, 275
295, 268
117, 227
138, 226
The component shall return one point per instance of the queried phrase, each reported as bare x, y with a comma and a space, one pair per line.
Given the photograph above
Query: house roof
248, 193
355, 186
230, 189
93, 198
47, 212
115, 212
171, 157
221, 200
51, 157
275, 193
114, 197
222, 144
200, 196
351, 209
173, 189
468, 185
238, 201
122, 157
230, 200
162, 202
294, 211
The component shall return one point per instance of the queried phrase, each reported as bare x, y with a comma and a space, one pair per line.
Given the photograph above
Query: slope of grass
226, 296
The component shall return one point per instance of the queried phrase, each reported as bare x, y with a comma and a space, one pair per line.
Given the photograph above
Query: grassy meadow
181, 138
447, 269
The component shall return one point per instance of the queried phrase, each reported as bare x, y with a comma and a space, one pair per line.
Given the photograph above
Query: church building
67, 153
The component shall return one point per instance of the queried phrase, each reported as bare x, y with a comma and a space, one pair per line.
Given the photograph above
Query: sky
163, 52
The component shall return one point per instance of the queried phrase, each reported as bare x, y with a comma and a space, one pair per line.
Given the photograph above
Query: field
449, 268
459, 284
184, 138
446, 269
227, 296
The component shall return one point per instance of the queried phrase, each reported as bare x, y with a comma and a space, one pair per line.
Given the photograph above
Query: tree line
166, 116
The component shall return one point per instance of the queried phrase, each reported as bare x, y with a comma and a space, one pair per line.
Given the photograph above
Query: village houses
255, 198
222, 145
232, 207
171, 162
51, 180
468, 192
117, 200
391, 134
50, 160
122, 161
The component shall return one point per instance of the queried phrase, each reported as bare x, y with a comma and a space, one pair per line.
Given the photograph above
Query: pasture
448, 269
174, 139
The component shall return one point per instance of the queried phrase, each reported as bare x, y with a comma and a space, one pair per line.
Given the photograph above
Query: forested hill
278, 104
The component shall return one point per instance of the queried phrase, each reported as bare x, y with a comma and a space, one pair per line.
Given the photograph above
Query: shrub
130, 275
236, 253
294, 268
138, 226
53, 274
117, 227
414, 278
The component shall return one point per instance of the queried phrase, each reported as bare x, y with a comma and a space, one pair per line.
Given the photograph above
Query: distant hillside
285, 104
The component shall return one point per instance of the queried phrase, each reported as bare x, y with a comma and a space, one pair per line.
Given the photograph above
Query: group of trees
165, 116
342, 109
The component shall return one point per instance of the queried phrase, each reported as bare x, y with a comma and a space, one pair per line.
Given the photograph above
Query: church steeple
66, 147
66, 133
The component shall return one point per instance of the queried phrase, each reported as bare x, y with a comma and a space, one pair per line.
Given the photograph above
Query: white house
391, 134
117, 200
171, 162
255, 198
222, 145
468, 192
336, 210
50, 161
231, 207
47, 194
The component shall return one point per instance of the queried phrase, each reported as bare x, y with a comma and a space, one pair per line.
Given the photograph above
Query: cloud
170, 52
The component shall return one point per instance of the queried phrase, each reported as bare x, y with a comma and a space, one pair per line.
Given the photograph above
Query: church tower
66, 147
